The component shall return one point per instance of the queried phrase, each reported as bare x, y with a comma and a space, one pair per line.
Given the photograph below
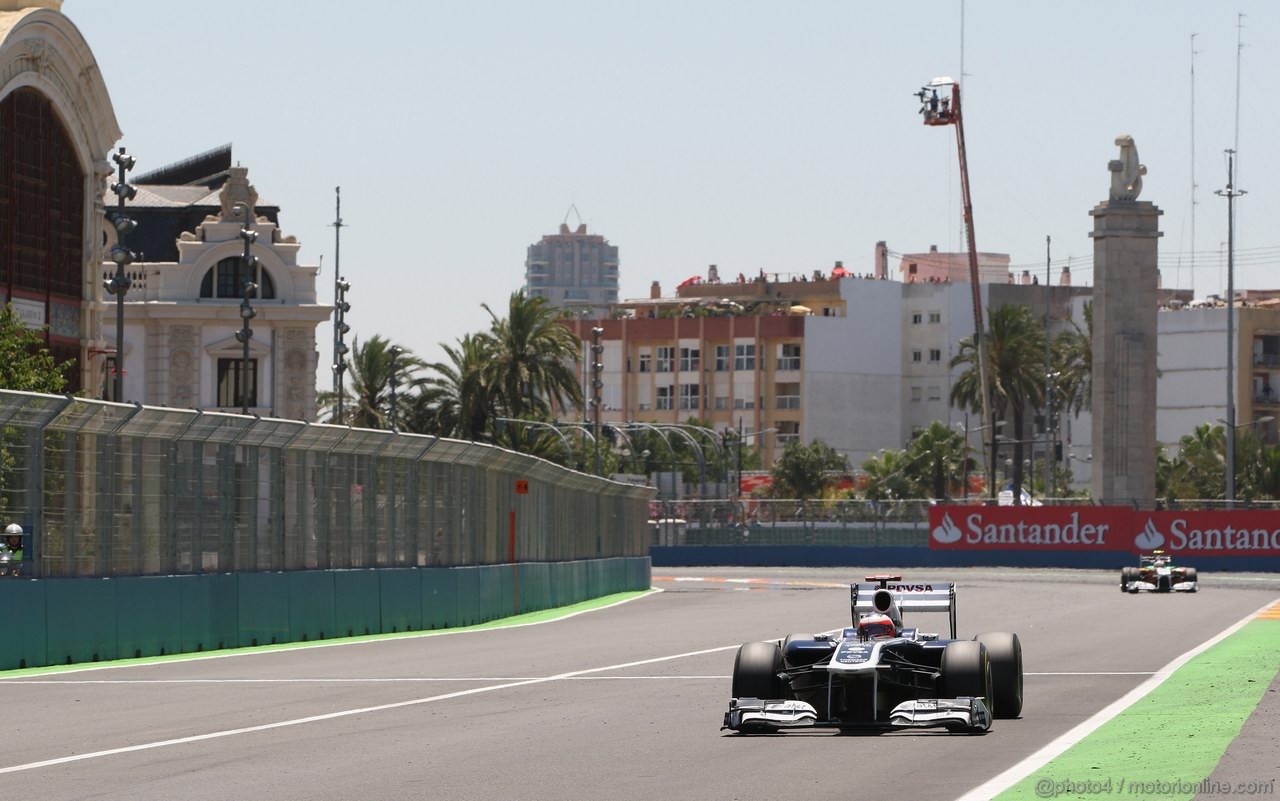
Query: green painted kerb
515, 620
1173, 737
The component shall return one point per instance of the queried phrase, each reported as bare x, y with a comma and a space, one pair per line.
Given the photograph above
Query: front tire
755, 671
1004, 649
1191, 575
1127, 574
966, 671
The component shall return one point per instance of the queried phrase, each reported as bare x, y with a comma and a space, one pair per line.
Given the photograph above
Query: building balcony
788, 402
788, 363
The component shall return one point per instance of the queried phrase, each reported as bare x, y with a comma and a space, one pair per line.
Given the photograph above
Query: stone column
1125, 237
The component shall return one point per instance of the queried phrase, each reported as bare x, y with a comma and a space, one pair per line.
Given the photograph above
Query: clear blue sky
752, 135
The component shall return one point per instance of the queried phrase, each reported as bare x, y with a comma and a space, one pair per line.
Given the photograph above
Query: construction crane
946, 111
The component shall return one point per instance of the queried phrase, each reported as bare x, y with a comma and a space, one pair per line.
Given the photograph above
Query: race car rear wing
912, 596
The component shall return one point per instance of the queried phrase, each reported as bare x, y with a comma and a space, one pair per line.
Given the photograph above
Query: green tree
25, 363
1015, 368
889, 476
367, 393
1073, 361
938, 459
530, 358
803, 471
462, 401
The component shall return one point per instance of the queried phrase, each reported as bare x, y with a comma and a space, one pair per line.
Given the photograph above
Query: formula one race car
878, 674
1156, 572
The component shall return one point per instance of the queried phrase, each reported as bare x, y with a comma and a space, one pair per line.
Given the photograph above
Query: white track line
287, 648
349, 712
1003, 781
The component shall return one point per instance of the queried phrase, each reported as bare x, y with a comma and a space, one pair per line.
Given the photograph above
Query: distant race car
878, 674
1156, 573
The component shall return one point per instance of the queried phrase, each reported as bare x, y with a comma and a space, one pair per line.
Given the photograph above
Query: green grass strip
1172, 739
541, 616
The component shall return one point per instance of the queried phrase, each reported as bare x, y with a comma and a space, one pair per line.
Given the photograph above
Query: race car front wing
758, 715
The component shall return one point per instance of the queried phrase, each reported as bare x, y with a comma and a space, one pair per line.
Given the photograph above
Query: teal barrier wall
71, 620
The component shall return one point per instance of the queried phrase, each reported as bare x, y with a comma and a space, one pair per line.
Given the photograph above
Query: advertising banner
1034, 528
1105, 528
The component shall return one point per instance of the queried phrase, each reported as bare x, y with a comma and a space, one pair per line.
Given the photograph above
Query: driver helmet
876, 627
11, 531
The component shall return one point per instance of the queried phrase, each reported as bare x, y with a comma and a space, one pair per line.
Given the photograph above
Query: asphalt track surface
619, 703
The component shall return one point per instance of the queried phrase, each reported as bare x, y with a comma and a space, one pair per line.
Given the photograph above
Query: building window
690, 358
665, 397
231, 383
915, 356
744, 403
789, 357
935, 355
722, 402
916, 318
935, 393
915, 394
722, 358
646, 360
666, 356
935, 317
689, 396
787, 396
227, 277
744, 357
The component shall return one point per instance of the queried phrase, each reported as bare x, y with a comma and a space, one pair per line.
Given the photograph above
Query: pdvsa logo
947, 531
1150, 538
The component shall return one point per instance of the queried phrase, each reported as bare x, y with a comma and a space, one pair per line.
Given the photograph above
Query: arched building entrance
57, 128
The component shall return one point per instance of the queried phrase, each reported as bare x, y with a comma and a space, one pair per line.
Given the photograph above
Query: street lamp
340, 329
597, 368
244, 335
1232, 427
396, 350
248, 272
122, 256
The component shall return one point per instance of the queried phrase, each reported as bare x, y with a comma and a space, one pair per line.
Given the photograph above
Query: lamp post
249, 288
994, 446
597, 368
396, 350
122, 256
1231, 193
244, 335
340, 329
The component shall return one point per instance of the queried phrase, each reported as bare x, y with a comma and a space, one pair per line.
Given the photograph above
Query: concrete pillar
1125, 234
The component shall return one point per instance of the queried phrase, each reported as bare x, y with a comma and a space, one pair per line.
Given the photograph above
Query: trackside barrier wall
74, 620
112, 490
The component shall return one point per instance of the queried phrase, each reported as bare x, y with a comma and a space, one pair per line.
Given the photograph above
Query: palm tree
1073, 360
887, 476
367, 395
938, 457
531, 356
459, 400
1015, 367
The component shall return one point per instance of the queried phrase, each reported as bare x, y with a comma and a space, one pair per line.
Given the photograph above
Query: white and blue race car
877, 673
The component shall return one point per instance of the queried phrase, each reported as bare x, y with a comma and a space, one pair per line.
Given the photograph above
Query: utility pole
341, 307
1231, 193
1049, 375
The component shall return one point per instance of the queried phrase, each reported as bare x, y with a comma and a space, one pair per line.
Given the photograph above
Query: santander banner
1105, 528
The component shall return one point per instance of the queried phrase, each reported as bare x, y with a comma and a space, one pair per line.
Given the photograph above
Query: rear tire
966, 671
755, 671
1004, 649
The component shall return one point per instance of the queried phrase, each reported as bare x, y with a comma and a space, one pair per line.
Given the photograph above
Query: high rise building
573, 269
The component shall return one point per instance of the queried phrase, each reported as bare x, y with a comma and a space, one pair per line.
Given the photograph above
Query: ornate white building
181, 316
